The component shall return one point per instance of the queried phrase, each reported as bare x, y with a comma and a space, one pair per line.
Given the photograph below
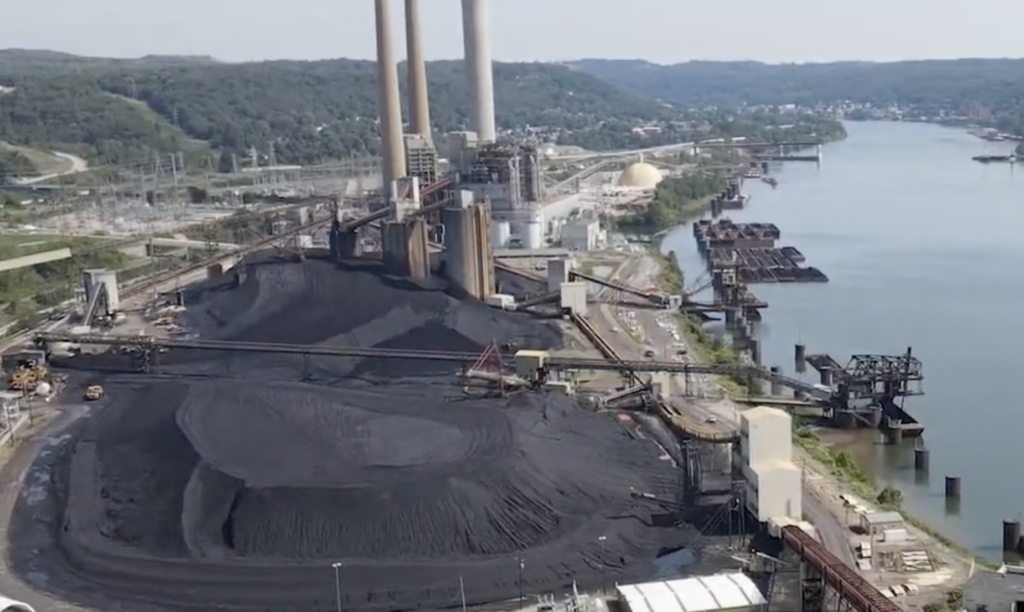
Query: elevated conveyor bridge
271, 241
821, 565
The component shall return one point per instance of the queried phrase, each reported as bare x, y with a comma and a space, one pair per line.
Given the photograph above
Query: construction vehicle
28, 374
93, 392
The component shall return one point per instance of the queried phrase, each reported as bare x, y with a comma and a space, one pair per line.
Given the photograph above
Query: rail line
847, 583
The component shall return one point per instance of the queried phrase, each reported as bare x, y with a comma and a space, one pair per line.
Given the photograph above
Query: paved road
708, 401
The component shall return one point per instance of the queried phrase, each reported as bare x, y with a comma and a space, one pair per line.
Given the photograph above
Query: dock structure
870, 389
750, 249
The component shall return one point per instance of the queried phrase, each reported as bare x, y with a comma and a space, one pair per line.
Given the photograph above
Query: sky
663, 31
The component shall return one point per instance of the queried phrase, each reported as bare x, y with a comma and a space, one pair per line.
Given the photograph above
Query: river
924, 248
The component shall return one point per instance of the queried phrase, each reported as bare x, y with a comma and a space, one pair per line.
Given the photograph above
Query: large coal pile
387, 467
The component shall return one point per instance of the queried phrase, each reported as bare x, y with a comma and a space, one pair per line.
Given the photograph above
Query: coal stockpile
266, 476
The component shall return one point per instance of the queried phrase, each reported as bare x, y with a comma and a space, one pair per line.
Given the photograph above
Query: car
711, 419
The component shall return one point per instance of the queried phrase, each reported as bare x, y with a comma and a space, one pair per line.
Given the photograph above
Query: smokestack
478, 68
388, 104
419, 107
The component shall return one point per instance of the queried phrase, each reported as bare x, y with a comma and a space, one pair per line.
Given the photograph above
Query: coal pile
385, 466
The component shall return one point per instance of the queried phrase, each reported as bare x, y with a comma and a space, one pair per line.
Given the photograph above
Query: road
639, 328
77, 165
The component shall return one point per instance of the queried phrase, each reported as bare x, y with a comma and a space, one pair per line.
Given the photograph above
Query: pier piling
952, 487
921, 459
1011, 535
800, 357
754, 346
775, 388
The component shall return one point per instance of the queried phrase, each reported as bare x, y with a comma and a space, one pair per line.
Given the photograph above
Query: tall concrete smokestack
419, 107
389, 106
478, 68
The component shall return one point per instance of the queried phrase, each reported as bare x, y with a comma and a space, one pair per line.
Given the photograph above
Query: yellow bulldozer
27, 376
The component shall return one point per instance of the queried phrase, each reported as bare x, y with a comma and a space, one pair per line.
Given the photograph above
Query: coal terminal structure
193, 485
750, 249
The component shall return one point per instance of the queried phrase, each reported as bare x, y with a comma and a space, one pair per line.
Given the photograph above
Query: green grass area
27, 244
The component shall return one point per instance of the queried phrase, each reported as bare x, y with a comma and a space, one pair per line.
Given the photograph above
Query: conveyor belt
611, 363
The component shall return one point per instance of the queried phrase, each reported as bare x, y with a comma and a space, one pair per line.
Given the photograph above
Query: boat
996, 159
771, 181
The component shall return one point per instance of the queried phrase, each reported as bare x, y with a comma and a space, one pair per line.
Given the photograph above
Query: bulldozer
27, 376
93, 392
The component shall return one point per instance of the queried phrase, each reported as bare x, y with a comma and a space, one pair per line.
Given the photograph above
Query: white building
1001, 591
732, 592
582, 234
774, 487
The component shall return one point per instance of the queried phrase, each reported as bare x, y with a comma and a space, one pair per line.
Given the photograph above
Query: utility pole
174, 174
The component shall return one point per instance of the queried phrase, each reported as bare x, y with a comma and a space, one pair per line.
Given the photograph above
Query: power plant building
509, 177
774, 486
421, 158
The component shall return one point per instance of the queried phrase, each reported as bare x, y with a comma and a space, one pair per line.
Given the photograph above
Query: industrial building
509, 177
421, 158
999, 591
582, 233
733, 592
773, 483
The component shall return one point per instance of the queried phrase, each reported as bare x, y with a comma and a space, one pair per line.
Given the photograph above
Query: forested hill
996, 84
122, 111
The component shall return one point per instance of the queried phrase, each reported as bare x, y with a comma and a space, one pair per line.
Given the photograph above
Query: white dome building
640, 175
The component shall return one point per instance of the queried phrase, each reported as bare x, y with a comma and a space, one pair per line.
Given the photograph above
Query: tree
126, 111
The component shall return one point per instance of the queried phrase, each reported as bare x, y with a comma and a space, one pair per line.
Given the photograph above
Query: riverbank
832, 476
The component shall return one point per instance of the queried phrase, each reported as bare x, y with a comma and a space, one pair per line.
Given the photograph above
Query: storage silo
501, 231
533, 233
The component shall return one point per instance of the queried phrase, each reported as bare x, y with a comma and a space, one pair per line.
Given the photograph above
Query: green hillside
994, 86
124, 111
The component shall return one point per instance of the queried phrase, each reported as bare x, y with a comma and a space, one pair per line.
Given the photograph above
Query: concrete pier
754, 346
921, 457
952, 487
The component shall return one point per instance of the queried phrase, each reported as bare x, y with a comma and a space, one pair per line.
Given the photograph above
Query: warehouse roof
698, 594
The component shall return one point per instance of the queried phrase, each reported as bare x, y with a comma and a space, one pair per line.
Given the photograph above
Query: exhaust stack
419, 106
478, 68
389, 106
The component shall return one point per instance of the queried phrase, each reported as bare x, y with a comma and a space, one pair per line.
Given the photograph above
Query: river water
924, 248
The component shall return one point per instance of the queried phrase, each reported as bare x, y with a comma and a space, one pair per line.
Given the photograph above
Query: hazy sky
664, 31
